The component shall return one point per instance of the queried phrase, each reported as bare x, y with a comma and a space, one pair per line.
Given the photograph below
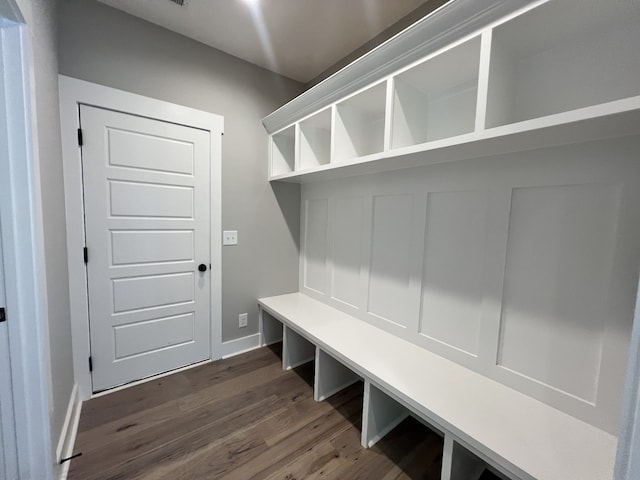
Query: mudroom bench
482, 421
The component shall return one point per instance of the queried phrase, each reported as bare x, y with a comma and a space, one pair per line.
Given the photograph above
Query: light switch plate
242, 320
230, 237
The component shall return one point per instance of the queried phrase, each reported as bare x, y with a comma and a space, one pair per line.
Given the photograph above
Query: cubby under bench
483, 422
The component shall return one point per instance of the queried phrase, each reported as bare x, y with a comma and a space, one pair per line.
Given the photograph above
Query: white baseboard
240, 345
69, 430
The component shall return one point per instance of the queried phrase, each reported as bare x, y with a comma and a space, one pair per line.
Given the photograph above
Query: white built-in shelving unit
503, 315
549, 73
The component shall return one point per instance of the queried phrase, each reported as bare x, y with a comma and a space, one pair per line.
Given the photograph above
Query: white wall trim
23, 244
240, 345
67, 439
74, 92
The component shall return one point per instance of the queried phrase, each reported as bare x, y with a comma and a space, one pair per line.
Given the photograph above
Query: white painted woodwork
283, 152
296, 350
437, 99
561, 247
147, 201
521, 436
164, 201
331, 376
129, 247
26, 363
390, 259
315, 140
73, 94
561, 56
556, 73
149, 152
346, 252
315, 241
8, 453
453, 272
380, 415
359, 128
458, 463
270, 329
517, 266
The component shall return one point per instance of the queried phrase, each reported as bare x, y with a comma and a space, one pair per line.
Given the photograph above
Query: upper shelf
554, 72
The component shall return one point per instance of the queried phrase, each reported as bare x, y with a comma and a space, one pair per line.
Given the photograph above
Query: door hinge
90, 364
80, 138
85, 253
3, 315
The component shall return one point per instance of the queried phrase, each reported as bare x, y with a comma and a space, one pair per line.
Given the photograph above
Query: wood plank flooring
242, 418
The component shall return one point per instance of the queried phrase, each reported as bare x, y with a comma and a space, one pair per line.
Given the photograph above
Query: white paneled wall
522, 267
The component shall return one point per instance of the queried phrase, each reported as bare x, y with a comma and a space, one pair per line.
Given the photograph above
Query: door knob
202, 267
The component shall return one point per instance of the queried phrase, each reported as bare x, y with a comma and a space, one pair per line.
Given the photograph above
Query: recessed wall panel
315, 262
390, 268
347, 250
149, 152
559, 261
151, 246
152, 291
452, 284
133, 199
153, 335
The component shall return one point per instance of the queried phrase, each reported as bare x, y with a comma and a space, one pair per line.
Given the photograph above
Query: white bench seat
522, 437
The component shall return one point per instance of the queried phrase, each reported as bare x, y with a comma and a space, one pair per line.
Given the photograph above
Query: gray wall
103, 45
40, 16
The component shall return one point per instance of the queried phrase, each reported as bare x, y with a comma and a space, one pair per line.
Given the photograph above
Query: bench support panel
270, 329
296, 350
331, 376
380, 415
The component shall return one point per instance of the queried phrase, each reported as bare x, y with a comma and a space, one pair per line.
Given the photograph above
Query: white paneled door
147, 218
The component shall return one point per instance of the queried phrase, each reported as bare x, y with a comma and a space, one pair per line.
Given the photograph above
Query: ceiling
295, 38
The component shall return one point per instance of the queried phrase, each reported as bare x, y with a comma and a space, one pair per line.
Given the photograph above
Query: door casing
74, 92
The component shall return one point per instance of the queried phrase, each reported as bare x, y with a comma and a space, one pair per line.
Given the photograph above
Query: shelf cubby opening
296, 350
437, 98
315, 140
331, 376
360, 122
561, 56
270, 329
283, 151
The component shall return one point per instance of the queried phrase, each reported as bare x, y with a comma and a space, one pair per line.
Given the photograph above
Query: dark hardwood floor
242, 418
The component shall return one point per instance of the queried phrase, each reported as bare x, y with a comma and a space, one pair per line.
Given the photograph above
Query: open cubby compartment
381, 413
283, 151
360, 124
561, 56
315, 140
270, 329
331, 376
460, 463
437, 98
296, 350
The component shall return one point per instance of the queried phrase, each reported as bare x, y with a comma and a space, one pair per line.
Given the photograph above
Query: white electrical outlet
242, 320
230, 237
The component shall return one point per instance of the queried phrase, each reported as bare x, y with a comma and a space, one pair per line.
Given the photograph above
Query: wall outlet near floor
230, 237
242, 320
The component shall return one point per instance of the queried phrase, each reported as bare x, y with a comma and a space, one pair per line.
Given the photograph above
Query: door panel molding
73, 93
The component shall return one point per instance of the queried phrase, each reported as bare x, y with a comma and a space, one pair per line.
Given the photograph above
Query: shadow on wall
288, 198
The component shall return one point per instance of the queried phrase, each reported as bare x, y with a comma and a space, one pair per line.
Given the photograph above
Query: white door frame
74, 92
23, 245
